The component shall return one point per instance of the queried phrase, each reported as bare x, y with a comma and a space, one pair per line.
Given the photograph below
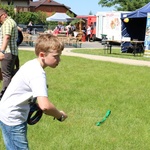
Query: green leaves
78, 20
24, 17
124, 5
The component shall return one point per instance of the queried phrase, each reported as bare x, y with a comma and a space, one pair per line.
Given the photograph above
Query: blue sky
83, 7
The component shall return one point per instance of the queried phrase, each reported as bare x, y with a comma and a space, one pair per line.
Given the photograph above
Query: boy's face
52, 59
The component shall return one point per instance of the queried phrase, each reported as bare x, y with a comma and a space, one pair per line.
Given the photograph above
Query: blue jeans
15, 137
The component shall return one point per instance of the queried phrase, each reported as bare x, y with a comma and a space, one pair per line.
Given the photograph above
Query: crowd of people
71, 30
27, 84
60, 28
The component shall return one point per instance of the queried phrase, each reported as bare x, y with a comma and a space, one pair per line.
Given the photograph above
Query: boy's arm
49, 109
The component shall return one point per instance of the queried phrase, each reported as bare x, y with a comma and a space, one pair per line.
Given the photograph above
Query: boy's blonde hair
47, 43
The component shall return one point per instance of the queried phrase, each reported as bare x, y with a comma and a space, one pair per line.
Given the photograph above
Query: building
47, 6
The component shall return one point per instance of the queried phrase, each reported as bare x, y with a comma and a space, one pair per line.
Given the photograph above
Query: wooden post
80, 25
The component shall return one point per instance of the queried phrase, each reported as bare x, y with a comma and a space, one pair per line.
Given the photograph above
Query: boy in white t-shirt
29, 81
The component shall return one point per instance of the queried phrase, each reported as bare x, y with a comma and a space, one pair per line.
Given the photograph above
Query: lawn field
85, 90
116, 52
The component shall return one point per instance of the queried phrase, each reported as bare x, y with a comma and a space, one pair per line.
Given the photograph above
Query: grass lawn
85, 90
116, 52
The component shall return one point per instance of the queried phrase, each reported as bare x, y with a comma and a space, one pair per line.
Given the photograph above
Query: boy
29, 81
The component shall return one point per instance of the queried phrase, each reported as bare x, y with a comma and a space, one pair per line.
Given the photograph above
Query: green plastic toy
103, 120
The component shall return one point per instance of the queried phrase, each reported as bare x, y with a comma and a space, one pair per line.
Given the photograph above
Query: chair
107, 47
126, 46
138, 46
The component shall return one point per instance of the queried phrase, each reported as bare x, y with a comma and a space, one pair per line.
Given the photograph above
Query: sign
147, 37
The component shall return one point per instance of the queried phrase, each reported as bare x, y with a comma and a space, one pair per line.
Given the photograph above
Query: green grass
85, 90
116, 52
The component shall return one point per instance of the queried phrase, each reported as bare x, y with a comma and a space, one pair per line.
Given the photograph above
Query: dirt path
68, 52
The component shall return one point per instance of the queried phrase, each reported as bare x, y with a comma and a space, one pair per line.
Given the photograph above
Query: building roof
46, 3
82, 16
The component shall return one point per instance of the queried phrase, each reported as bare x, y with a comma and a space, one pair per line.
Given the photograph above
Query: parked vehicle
108, 25
90, 20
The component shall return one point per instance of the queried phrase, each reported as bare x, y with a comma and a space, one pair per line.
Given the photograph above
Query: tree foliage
10, 10
36, 17
24, 17
124, 5
90, 13
70, 14
75, 21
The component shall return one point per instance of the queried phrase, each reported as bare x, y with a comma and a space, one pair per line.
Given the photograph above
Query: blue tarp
135, 28
139, 13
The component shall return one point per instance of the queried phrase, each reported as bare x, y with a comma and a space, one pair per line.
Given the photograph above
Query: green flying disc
103, 120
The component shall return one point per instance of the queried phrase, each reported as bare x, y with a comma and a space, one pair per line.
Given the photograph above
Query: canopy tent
58, 17
139, 13
135, 28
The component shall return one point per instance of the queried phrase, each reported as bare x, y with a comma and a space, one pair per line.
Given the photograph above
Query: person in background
92, 29
88, 33
19, 41
30, 27
59, 26
8, 49
67, 28
28, 82
56, 30
62, 28
84, 29
30, 23
70, 31
73, 27
20, 36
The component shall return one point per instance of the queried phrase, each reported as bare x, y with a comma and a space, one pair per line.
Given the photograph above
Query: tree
9, 9
124, 5
70, 14
90, 13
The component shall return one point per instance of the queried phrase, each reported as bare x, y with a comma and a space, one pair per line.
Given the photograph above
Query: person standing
19, 41
9, 49
30, 27
30, 23
88, 33
29, 82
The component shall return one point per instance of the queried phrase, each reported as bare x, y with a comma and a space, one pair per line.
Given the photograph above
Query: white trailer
109, 24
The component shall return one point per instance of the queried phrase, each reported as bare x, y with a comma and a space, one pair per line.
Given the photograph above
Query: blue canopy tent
135, 28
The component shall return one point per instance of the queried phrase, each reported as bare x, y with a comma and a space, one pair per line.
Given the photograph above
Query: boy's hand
63, 116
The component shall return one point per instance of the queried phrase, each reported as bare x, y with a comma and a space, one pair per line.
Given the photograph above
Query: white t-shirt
29, 81
88, 30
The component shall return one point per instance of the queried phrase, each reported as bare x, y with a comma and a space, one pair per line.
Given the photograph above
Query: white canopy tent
58, 17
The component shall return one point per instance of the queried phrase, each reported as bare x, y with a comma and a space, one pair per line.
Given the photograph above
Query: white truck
109, 24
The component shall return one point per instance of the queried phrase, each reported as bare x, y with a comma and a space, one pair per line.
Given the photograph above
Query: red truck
90, 20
